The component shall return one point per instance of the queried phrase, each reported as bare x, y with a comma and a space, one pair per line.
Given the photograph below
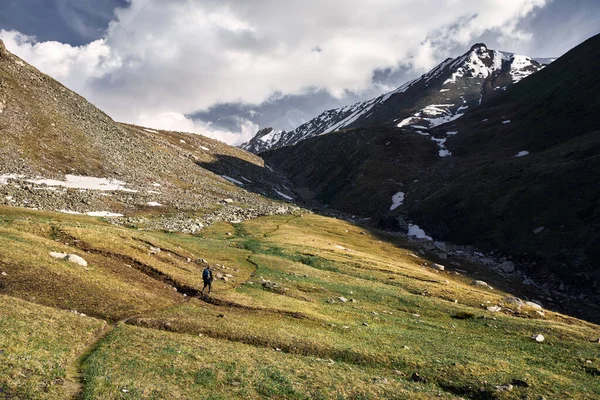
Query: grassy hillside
304, 307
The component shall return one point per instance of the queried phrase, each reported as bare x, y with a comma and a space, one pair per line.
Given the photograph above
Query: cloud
159, 59
174, 121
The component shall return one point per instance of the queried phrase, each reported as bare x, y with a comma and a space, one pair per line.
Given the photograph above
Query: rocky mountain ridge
58, 152
442, 95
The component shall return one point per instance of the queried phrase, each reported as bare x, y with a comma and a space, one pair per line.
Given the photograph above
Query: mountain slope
59, 152
517, 175
439, 96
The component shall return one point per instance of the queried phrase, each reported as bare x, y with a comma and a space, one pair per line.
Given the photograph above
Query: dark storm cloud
76, 22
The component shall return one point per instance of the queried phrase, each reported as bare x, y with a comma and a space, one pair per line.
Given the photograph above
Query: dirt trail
74, 374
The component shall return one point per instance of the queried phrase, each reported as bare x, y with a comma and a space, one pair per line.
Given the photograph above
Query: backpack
206, 274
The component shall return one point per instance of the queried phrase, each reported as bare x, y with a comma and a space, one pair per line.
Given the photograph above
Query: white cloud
174, 121
168, 59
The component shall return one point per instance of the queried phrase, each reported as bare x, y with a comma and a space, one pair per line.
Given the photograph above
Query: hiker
207, 277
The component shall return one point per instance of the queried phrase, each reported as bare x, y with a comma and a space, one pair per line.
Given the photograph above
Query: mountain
517, 176
303, 306
444, 94
59, 152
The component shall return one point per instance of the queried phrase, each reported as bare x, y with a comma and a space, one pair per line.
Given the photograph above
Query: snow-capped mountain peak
441, 95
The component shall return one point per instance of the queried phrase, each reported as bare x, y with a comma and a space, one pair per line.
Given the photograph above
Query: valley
438, 241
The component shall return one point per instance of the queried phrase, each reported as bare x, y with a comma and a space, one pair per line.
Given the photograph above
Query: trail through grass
303, 307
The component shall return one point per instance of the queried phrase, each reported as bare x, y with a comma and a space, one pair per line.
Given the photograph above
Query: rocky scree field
58, 152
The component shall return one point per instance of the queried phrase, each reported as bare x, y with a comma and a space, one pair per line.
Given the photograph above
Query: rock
441, 245
221, 316
538, 338
58, 255
74, 258
154, 250
487, 261
363, 232
342, 299
228, 201
4, 273
538, 230
533, 305
415, 377
514, 301
507, 266
439, 267
442, 256
480, 283
494, 308
365, 324
507, 387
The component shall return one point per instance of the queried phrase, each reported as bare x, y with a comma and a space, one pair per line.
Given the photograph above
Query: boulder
494, 308
441, 245
507, 387
480, 283
538, 337
533, 305
342, 299
507, 266
439, 267
62, 256
514, 301
74, 258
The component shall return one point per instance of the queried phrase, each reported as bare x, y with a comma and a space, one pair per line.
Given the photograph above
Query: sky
225, 68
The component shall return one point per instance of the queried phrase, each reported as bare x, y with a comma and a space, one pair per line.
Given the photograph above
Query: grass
277, 327
37, 344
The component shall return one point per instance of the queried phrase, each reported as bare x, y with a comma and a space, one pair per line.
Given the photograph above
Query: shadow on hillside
251, 177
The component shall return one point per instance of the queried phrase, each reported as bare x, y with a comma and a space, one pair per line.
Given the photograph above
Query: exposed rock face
3, 52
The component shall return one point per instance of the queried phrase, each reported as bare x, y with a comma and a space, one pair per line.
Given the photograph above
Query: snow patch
204, 148
415, 231
6, 177
506, 121
153, 204
103, 214
151, 131
397, 200
85, 182
230, 179
285, 196
522, 153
